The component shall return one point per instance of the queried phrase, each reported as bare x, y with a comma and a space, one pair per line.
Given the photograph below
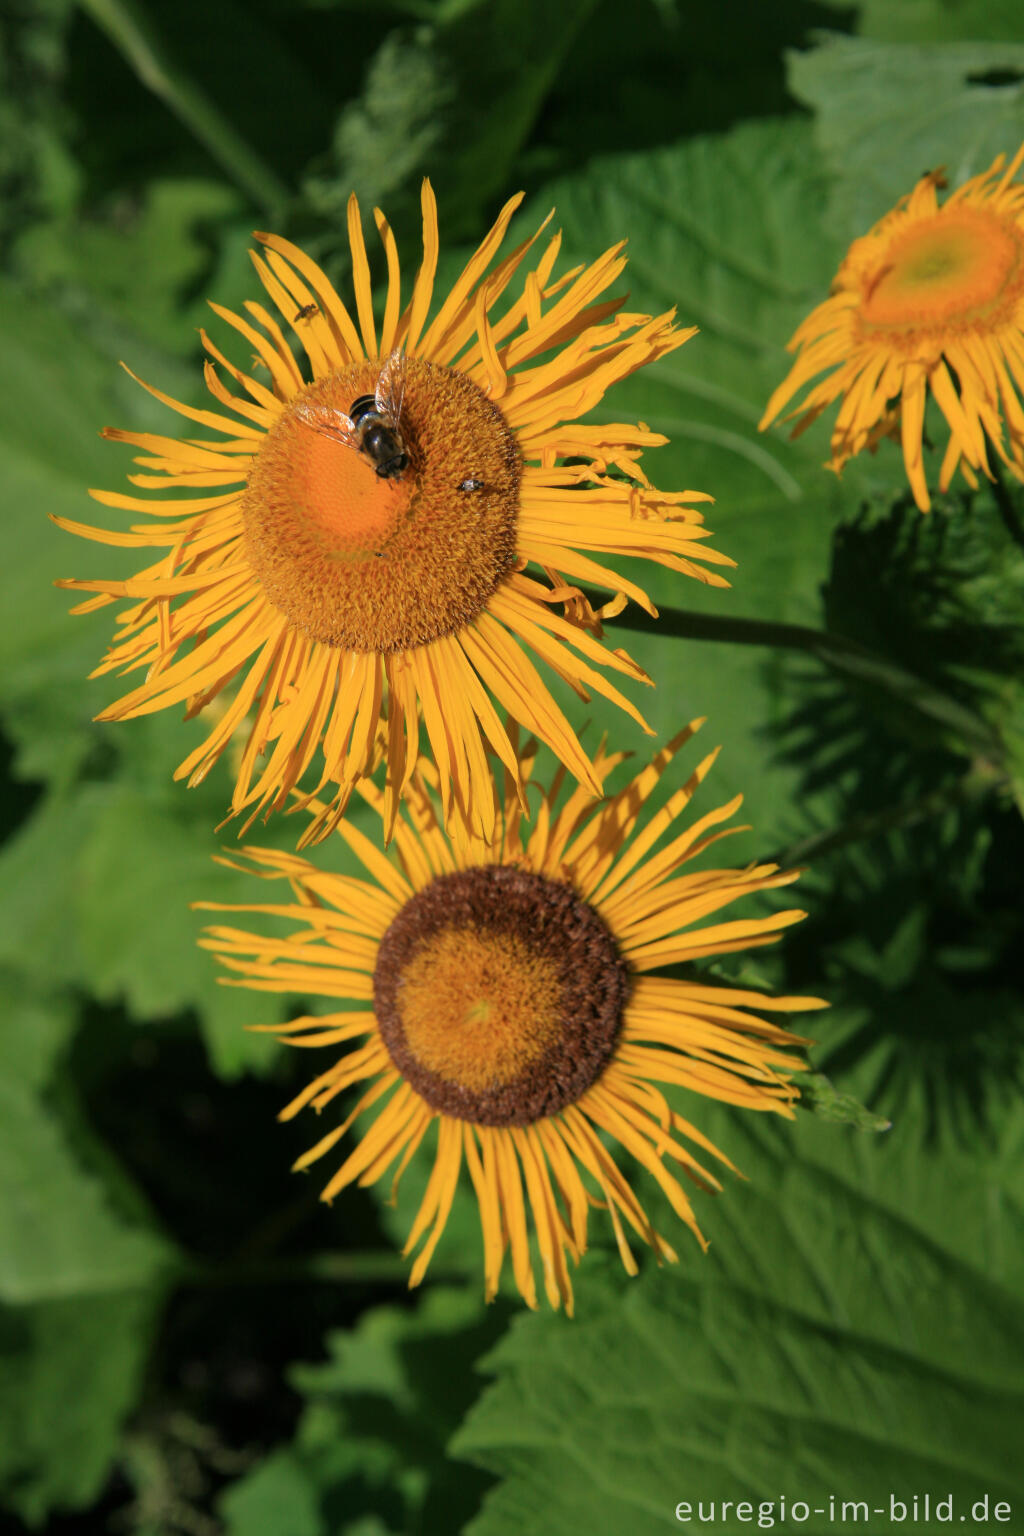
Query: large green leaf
81, 1267
855, 1331
70, 1371
66, 1228
37, 170
453, 98
731, 230
97, 887
887, 112
55, 395
146, 270
933, 21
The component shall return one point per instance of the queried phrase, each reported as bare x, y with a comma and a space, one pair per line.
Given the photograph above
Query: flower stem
135, 37
835, 651
373, 1267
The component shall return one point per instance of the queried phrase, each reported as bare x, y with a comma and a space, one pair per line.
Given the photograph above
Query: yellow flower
502, 998
340, 588
931, 300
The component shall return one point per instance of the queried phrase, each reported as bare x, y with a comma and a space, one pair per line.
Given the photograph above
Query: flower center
362, 551
499, 995
962, 265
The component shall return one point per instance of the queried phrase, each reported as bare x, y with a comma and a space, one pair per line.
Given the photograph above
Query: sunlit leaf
854, 1331
887, 112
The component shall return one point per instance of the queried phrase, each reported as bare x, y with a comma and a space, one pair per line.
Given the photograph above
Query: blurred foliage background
190, 1344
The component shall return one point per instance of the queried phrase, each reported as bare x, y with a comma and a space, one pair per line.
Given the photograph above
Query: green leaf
38, 933
139, 871
855, 1330
56, 394
913, 936
37, 171
935, 21
148, 266
729, 229
97, 886
81, 1274
460, 93
277, 1499
371, 1440
70, 1371
887, 112
66, 1230
822, 1098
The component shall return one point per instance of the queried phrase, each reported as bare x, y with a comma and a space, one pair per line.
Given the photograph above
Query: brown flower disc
499, 994
367, 563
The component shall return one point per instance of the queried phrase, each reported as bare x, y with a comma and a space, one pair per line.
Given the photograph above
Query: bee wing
328, 421
390, 390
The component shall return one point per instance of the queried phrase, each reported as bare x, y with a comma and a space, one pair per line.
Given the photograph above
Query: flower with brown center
931, 301
348, 558
502, 999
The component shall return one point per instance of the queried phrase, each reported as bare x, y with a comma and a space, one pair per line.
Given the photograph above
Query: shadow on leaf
914, 896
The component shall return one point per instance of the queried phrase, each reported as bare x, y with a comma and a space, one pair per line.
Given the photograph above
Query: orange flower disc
962, 266
371, 564
499, 995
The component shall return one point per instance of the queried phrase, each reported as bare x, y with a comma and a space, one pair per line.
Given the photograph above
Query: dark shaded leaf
369, 1455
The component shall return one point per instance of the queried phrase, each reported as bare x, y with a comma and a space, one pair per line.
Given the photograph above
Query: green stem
1004, 502
840, 654
369, 1267
137, 40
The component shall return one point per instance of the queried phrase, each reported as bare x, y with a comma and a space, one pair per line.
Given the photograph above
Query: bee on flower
376, 535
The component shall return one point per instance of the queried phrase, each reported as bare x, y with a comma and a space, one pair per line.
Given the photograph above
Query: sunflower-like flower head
502, 1000
331, 589
930, 301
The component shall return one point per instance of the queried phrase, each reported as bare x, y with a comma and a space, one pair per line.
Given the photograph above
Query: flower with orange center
349, 557
930, 301
502, 999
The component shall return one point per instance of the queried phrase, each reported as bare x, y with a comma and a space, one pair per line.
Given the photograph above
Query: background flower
517, 1014
929, 302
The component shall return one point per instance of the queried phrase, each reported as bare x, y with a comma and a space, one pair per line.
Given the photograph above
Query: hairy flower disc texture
502, 1011
929, 302
317, 611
